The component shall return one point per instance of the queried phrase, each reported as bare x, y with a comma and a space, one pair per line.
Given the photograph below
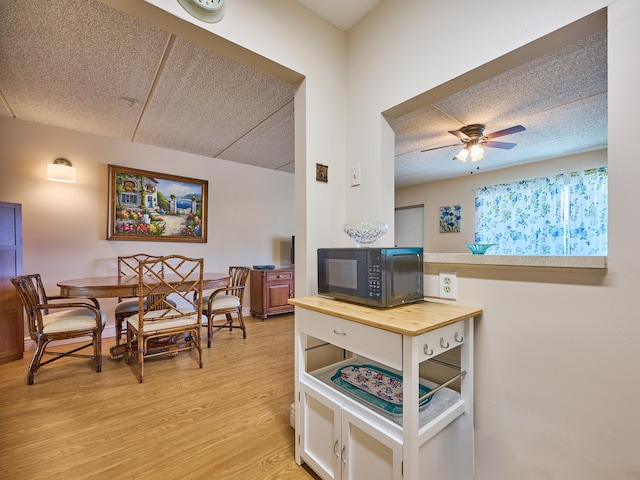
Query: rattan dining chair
52, 318
160, 327
226, 301
128, 266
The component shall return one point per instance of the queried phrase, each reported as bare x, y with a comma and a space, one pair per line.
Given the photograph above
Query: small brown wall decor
322, 172
156, 206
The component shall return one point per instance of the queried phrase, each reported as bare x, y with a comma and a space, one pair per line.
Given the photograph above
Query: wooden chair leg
209, 331
197, 342
119, 320
141, 348
97, 350
35, 360
127, 351
241, 321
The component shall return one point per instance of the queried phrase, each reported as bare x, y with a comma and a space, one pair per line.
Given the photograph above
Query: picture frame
153, 206
322, 172
450, 219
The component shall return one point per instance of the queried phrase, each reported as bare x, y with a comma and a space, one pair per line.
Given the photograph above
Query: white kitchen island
341, 434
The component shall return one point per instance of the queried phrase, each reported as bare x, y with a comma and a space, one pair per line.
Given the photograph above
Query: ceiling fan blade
459, 134
504, 145
444, 146
506, 131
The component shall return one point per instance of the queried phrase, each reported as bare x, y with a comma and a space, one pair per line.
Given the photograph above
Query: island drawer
375, 343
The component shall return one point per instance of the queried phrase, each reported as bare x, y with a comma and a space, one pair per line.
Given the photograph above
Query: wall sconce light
61, 170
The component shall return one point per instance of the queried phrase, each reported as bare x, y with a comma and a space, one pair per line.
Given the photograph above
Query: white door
409, 226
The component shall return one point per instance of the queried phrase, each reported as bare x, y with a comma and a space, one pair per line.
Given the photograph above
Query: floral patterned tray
374, 385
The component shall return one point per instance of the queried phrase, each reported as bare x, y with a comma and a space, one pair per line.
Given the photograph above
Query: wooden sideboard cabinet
271, 291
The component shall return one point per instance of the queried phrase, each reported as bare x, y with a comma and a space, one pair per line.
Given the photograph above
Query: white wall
462, 191
65, 225
556, 351
289, 34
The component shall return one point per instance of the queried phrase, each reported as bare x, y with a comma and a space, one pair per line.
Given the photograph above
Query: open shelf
442, 403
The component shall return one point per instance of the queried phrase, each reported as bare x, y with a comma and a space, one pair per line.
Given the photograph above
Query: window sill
518, 261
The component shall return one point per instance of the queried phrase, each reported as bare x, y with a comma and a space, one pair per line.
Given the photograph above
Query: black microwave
377, 277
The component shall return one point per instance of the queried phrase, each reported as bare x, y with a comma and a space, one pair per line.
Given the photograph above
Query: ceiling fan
474, 139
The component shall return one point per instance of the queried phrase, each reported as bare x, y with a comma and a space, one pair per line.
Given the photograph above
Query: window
559, 215
130, 198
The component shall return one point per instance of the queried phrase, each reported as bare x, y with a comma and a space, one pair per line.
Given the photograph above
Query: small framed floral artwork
156, 206
450, 218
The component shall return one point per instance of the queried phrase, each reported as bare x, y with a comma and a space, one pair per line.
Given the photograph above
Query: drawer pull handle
427, 350
335, 449
442, 343
344, 447
458, 338
338, 332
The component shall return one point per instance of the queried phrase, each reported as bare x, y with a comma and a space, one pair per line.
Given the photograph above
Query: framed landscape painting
156, 206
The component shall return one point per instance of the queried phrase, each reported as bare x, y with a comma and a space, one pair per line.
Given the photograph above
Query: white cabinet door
368, 453
339, 445
320, 433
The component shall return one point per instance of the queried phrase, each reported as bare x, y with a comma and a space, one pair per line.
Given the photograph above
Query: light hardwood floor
229, 420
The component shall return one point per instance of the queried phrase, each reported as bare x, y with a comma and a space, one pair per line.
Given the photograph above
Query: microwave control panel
375, 277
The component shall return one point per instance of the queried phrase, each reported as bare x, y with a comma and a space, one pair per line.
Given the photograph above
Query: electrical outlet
448, 285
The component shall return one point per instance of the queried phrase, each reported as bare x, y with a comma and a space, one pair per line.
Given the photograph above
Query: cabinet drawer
279, 276
374, 343
439, 341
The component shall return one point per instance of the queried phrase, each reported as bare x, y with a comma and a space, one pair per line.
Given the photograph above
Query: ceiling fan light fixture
462, 155
477, 153
474, 140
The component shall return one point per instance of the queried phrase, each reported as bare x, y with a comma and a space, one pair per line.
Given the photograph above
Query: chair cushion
150, 325
70, 320
131, 306
224, 302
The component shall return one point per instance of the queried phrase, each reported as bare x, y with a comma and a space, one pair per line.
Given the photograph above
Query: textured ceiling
81, 65
560, 98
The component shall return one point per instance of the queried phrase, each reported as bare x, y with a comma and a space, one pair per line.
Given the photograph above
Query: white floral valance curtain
559, 215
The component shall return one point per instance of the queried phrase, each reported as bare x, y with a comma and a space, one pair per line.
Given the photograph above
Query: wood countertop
412, 319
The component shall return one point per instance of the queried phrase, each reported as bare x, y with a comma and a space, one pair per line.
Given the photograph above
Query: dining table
127, 285
123, 286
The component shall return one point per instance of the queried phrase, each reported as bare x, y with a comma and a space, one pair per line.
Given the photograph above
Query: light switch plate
355, 176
